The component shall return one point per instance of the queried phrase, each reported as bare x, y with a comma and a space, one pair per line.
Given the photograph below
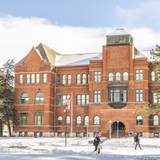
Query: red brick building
107, 89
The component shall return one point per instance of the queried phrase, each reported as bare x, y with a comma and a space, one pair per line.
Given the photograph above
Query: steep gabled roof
47, 54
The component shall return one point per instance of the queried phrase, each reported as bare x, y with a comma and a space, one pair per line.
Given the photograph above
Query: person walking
97, 143
137, 140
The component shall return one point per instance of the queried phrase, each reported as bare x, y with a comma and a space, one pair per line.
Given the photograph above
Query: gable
33, 61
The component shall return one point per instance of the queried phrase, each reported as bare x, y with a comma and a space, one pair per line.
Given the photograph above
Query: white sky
18, 35
74, 26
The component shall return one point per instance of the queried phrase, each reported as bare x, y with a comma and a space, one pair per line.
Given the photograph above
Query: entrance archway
118, 130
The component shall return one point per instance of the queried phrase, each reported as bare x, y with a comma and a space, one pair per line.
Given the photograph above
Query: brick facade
116, 58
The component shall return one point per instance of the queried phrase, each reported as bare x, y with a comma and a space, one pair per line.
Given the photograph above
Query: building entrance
118, 130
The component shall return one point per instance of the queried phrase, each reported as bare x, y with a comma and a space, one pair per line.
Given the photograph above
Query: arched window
78, 79
39, 98
86, 120
78, 120
96, 120
118, 76
67, 120
155, 120
83, 78
63, 79
88, 78
153, 76
69, 79
139, 120
125, 76
58, 79
24, 98
59, 121
110, 76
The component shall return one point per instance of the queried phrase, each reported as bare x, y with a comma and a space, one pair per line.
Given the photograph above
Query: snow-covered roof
76, 59
144, 53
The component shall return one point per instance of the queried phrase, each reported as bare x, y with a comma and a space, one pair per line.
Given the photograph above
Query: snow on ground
47, 148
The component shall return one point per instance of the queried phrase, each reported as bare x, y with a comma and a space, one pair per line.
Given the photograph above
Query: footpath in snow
42, 148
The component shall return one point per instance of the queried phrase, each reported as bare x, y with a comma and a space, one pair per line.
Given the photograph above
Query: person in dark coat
137, 140
97, 143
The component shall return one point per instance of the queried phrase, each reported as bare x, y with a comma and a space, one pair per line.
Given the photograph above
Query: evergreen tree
7, 106
153, 109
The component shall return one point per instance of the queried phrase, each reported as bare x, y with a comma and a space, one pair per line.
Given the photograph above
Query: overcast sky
74, 26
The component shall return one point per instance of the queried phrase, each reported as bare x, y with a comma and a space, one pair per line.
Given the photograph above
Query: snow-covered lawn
44, 148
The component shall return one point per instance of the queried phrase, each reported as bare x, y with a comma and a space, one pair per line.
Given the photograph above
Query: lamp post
110, 129
117, 129
96, 127
66, 126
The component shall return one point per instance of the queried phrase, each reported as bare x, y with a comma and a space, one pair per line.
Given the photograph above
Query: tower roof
118, 32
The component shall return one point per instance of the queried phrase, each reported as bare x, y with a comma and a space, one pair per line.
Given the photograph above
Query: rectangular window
139, 95
78, 134
25, 134
44, 77
20, 134
97, 76
139, 74
40, 134
23, 119
58, 79
116, 96
62, 99
82, 99
38, 118
35, 134
32, 78
27, 78
37, 77
97, 96
154, 98
20, 78
88, 78
123, 96
156, 135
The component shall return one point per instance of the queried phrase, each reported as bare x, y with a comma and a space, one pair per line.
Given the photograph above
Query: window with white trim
20, 78
83, 78
156, 120
32, 78
97, 76
27, 78
118, 76
97, 96
82, 99
139, 74
63, 79
139, 95
44, 77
